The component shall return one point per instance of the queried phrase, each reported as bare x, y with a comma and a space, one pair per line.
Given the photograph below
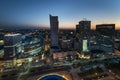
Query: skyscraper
54, 31
83, 34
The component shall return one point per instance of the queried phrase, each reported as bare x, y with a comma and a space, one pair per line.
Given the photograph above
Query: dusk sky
70, 12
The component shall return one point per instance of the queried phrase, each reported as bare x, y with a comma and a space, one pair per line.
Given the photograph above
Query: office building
54, 31
106, 36
12, 45
83, 35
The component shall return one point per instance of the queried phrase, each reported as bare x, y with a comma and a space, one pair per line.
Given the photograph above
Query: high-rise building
83, 34
12, 45
106, 36
54, 31
85, 29
106, 29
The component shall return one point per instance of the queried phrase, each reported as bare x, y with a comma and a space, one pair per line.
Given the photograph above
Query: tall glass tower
54, 31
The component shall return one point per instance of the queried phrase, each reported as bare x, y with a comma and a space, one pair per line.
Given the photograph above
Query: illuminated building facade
54, 31
33, 44
12, 45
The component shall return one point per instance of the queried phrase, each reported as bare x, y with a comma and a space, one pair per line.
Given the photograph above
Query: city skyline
52, 40
70, 12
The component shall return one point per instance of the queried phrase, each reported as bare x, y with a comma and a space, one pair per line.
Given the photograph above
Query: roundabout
52, 77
